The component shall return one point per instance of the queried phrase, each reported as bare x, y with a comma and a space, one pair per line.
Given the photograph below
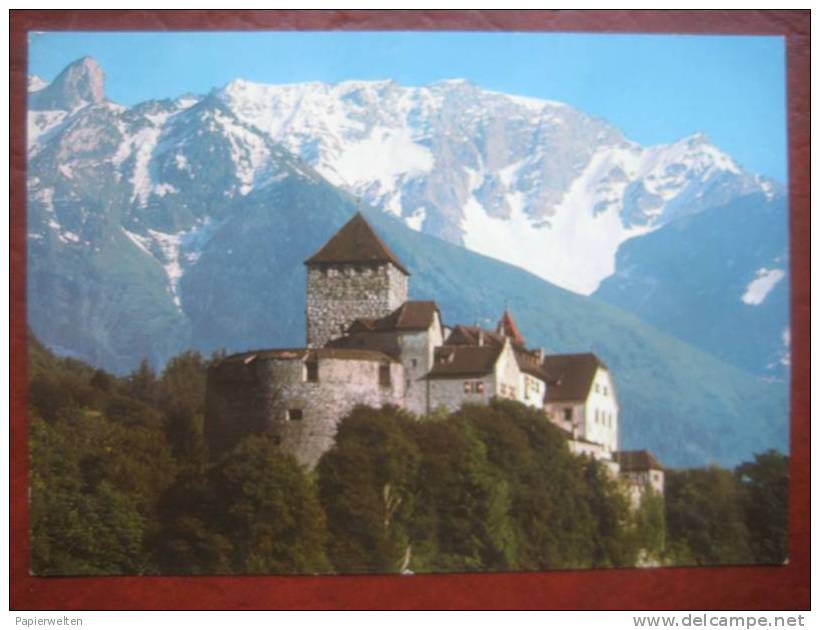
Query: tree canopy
121, 483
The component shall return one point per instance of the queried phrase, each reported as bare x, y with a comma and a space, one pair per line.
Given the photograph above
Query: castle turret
508, 328
354, 275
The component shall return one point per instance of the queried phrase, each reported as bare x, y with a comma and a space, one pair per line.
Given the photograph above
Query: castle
368, 344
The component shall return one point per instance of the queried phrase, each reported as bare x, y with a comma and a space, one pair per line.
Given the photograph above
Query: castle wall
273, 395
417, 351
450, 392
340, 293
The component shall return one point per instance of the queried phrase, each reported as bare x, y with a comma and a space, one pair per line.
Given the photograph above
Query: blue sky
656, 89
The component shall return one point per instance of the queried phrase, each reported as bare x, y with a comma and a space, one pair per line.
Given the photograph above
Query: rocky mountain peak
80, 83
35, 83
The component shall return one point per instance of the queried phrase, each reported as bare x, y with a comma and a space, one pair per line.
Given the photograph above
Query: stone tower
354, 275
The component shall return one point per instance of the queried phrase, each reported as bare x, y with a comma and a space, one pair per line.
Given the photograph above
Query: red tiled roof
412, 315
570, 375
453, 361
356, 242
636, 461
508, 328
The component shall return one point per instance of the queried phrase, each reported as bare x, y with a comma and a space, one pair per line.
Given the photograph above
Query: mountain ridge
176, 225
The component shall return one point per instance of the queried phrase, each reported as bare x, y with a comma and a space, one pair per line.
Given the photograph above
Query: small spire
508, 328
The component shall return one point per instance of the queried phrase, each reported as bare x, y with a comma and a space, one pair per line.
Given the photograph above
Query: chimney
480, 336
539, 355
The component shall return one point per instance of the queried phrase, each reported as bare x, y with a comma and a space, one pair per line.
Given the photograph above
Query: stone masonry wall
338, 294
273, 396
449, 392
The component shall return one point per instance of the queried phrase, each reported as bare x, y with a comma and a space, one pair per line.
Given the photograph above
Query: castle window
473, 387
567, 413
605, 390
414, 362
295, 414
384, 375
312, 372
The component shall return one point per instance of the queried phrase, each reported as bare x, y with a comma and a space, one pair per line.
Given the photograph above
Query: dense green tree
120, 485
142, 383
182, 396
462, 522
650, 526
550, 509
704, 517
268, 510
367, 488
615, 541
81, 523
765, 498
189, 539
183, 383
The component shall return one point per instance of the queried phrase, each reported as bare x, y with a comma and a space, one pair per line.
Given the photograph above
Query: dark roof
307, 354
356, 242
365, 341
508, 328
530, 363
453, 361
527, 359
469, 336
412, 315
636, 461
570, 375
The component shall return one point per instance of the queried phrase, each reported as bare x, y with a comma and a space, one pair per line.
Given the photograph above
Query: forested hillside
121, 485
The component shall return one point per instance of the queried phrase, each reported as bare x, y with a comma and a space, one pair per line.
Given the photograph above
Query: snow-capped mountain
532, 182
182, 224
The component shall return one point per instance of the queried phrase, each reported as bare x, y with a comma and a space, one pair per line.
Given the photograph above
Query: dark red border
772, 588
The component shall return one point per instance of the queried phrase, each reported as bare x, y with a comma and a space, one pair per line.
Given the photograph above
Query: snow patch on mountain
383, 156
176, 252
417, 218
551, 248
142, 145
36, 83
141, 242
46, 197
40, 123
762, 284
787, 344
250, 154
529, 181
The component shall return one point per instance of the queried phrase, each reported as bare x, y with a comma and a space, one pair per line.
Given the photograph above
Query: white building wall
601, 412
507, 374
532, 390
